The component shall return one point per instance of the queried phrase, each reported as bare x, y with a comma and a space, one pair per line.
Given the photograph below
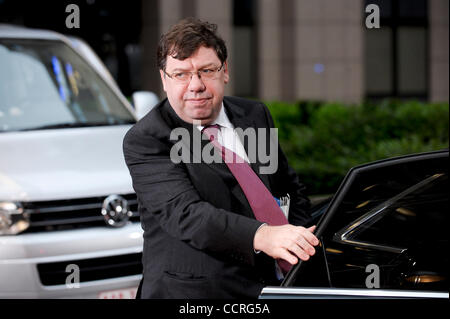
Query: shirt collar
222, 120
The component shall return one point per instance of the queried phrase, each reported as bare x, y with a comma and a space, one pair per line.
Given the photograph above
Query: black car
384, 234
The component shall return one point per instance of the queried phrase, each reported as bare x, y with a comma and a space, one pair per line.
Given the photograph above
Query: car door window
392, 215
414, 216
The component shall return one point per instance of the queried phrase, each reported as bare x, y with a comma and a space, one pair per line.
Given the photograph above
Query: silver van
69, 226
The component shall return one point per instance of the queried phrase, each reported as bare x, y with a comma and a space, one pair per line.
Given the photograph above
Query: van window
45, 84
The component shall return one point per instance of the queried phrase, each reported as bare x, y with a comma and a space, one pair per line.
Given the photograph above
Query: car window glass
421, 183
404, 220
393, 216
47, 83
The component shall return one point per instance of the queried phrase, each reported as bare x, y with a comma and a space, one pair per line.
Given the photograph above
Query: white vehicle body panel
64, 164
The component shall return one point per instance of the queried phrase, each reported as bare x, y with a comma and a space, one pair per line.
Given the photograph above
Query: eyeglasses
186, 76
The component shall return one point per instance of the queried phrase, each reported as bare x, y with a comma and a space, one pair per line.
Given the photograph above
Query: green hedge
322, 141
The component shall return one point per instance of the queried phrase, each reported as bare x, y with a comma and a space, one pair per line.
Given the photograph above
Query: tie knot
211, 131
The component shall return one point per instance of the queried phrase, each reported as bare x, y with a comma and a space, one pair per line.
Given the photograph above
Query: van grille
72, 214
92, 269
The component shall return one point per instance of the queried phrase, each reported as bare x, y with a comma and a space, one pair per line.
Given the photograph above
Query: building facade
319, 50
290, 50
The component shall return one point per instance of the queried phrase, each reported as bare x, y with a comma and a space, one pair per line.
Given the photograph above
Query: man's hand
287, 242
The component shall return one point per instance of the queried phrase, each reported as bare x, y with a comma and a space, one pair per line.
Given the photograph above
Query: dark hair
185, 37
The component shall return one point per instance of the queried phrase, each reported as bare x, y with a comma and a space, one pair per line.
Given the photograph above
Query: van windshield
45, 84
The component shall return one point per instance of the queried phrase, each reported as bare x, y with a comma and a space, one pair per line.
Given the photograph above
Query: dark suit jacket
198, 225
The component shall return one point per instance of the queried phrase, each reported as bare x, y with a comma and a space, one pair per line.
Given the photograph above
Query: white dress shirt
227, 136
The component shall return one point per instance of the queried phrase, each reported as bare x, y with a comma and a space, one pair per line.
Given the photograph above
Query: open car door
383, 235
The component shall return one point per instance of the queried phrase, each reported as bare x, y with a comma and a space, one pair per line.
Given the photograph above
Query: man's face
199, 99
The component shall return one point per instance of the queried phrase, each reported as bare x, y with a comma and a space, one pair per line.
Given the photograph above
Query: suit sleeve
287, 181
165, 190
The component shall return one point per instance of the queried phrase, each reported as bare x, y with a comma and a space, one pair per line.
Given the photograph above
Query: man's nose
196, 84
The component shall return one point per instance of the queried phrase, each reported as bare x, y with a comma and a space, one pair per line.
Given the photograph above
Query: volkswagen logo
115, 211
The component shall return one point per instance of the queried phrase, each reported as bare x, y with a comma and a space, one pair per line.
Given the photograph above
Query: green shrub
323, 141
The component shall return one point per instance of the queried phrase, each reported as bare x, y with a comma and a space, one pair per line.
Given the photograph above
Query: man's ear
226, 76
163, 79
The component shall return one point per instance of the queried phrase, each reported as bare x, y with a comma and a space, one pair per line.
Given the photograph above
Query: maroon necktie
263, 205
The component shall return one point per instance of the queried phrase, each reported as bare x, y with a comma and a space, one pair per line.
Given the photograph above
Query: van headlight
13, 219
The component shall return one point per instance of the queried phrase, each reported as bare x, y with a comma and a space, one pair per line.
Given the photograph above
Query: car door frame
286, 289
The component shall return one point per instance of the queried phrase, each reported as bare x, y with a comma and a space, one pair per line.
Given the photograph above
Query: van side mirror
143, 102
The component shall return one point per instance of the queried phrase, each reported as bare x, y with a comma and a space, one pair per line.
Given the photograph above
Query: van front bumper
79, 263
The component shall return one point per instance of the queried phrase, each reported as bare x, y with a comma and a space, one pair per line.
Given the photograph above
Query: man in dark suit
201, 236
